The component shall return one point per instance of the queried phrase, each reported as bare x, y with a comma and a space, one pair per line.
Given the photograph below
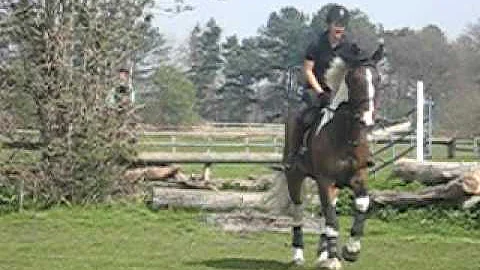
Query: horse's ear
380, 52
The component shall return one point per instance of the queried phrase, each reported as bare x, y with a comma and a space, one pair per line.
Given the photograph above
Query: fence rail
247, 144
151, 159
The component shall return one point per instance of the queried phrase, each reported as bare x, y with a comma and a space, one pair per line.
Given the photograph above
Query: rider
120, 96
318, 56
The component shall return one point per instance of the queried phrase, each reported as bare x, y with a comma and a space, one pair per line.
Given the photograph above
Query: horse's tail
277, 200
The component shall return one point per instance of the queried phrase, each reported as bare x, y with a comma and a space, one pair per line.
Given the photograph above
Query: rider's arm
308, 66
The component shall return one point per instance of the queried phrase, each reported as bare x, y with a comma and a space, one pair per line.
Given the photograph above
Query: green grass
133, 237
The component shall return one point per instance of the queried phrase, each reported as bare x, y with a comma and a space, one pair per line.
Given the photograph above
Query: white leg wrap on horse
353, 245
331, 232
298, 256
297, 215
334, 202
362, 204
322, 257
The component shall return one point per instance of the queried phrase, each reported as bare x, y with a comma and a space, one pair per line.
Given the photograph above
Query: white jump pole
420, 133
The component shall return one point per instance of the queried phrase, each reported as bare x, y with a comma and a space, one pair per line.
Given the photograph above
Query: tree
420, 55
205, 67
462, 106
64, 60
243, 69
281, 43
152, 53
174, 103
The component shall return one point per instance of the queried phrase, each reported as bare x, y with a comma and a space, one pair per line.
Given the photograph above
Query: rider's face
336, 31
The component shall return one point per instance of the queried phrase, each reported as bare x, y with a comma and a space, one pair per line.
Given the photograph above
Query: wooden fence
244, 143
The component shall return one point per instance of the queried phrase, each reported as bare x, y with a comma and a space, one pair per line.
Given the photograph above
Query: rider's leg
295, 137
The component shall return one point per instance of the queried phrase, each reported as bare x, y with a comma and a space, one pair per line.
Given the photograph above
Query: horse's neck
340, 129
335, 74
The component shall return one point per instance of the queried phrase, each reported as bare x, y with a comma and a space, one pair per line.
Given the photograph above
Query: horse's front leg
351, 250
295, 180
328, 257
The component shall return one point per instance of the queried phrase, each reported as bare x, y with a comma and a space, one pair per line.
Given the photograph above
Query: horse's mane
335, 80
335, 74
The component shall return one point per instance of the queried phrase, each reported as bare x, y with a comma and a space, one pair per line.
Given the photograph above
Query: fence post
476, 146
247, 145
429, 129
420, 134
275, 141
206, 174
173, 141
209, 144
21, 194
452, 146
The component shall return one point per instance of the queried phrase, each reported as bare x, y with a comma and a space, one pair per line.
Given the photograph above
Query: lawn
133, 237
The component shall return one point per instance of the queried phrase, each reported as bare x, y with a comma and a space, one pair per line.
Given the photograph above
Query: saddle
311, 120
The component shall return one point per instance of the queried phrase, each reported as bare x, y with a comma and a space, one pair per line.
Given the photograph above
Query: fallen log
202, 199
262, 183
152, 173
463, 191
432, 173
167, 176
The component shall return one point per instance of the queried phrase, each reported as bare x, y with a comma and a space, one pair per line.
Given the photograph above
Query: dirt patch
255, 221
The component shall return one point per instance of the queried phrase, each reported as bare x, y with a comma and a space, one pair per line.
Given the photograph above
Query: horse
337, 156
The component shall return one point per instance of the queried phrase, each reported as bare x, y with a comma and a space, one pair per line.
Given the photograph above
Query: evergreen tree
205, 66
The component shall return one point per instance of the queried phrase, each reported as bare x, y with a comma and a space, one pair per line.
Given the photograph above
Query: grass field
133, 237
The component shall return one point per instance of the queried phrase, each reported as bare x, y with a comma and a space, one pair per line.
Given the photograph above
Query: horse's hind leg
351, 250
295, 180
327, 194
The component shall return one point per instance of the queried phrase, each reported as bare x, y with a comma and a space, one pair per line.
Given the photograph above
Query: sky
244, 17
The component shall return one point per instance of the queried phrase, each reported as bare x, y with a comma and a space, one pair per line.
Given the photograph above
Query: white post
420, 134
130, 85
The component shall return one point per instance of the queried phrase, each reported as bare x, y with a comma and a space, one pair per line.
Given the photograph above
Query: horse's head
358, 75
362, 82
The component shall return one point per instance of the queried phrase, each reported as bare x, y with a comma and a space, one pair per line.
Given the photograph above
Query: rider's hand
323, 94
324, 98
319, 92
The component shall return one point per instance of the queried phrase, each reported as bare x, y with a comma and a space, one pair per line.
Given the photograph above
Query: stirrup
370, 162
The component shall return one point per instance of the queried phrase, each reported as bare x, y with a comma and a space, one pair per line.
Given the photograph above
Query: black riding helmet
338, 15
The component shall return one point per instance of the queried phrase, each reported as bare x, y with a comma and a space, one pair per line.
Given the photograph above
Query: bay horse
336, 156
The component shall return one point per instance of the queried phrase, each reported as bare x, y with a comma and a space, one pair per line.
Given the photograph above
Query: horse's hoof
351, 250
298, 258
322, 257
298, 262
330, 264
349, 255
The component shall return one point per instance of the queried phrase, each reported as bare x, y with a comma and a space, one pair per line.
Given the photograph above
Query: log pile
432, 173
202, 199
446, 183
169, 187
449, 183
